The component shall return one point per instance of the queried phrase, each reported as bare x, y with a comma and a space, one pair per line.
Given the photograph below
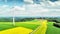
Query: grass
29, 24
6, 25
26, 25
52, 29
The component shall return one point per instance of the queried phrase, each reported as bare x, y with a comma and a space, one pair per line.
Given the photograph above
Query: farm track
41, 29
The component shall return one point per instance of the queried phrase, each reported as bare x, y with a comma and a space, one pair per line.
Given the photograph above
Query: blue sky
19, 9
11, 2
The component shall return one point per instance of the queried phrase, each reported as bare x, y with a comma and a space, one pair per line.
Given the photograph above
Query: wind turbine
13, 16
13, 13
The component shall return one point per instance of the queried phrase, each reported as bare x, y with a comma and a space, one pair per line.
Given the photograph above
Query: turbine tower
13, 13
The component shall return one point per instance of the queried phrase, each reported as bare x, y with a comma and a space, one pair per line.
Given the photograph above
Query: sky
29, 8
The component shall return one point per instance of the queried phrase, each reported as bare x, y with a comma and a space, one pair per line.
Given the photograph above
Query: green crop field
30, 25
26, 25
52, 29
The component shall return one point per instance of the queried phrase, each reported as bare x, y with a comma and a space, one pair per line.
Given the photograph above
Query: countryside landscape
39, 25
29, 16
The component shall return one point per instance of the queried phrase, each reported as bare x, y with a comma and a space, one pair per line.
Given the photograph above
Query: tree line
19, 19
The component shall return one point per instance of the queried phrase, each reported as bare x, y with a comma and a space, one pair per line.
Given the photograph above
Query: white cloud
38, 10
29, 10
4, 10
7, 11
29, 1
19, 8
57, 3
50, 4
35, 9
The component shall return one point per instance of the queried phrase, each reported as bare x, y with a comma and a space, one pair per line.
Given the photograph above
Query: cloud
19, 8
28, 1
31, 10
50, 4
5, 10
38, 10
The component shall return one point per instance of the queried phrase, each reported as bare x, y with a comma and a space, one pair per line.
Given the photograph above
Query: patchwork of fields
27, 27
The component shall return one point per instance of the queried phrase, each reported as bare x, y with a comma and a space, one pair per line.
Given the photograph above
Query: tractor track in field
42, 28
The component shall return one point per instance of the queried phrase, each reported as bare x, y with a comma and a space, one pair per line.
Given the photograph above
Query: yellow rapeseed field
41, 29
17, 30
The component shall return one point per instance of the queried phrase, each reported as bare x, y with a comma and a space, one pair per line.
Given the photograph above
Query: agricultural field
29, 27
